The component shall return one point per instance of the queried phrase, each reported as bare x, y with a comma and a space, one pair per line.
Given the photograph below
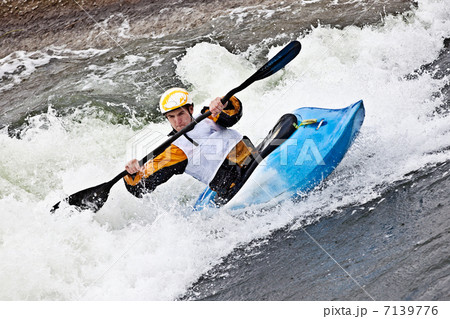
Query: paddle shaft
187, 128
164, 145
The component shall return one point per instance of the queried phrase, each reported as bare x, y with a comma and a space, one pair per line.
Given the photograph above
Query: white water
153, 249
19, 65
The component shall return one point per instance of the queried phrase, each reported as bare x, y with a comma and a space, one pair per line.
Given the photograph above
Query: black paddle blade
282, 58
286, 55
92, 198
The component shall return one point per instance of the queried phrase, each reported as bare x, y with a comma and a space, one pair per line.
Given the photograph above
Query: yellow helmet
173, 99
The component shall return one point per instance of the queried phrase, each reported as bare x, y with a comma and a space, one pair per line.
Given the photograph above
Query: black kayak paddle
95, 197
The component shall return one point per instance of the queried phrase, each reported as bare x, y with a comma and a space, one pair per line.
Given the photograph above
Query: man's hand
133, 167
216, 106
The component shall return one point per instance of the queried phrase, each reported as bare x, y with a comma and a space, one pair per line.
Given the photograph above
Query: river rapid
78, 103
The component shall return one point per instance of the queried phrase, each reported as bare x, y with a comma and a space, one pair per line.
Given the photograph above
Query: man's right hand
133, 167
216, 106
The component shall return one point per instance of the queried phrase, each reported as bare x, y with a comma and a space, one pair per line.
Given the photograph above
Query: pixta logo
143, 143
293, 153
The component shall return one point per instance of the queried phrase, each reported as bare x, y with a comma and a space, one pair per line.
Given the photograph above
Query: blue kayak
317, 142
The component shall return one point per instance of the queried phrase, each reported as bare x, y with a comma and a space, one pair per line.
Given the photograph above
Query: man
210, 152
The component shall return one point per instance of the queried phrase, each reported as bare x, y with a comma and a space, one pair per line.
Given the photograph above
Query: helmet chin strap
190, 114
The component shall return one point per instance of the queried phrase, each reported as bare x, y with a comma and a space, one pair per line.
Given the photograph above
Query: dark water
161, 33
396, 247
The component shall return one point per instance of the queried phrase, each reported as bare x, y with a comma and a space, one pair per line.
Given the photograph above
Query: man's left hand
216, 106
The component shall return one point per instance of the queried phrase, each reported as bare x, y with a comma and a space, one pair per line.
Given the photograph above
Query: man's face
179, 118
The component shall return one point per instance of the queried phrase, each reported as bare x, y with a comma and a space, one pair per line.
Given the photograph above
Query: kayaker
211, 152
